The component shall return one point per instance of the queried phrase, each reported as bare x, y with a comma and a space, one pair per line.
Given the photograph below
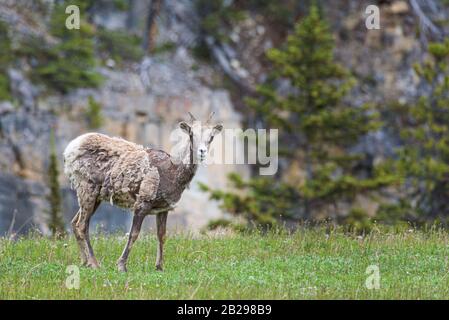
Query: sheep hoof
122, 267
159, 268
93, 264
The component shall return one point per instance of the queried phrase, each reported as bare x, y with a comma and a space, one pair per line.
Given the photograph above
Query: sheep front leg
133, 234
161, 222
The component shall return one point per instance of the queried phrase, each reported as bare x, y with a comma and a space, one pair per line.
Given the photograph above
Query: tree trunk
150, 33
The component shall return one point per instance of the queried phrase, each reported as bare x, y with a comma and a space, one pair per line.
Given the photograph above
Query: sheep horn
192, 118
210, 117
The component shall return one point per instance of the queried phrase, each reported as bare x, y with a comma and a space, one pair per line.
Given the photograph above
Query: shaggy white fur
72, 151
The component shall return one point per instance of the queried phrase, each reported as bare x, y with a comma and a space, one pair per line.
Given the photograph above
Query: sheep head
201, 136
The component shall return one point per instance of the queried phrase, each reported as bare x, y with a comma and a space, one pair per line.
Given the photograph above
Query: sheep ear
185, 127
217, 129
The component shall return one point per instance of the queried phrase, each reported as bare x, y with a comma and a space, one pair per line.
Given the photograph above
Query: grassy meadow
307, 264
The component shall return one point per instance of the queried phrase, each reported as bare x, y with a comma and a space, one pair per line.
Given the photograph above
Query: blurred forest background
363, 115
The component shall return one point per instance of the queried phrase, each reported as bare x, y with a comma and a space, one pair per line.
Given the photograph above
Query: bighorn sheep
147, 180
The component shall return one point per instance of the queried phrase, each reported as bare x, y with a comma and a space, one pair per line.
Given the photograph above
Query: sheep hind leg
133, 234
79, 238
87, 209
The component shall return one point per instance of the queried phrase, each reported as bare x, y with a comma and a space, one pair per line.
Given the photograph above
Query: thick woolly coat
124, 173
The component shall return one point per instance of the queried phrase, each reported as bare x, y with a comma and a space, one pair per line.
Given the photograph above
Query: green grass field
305, 265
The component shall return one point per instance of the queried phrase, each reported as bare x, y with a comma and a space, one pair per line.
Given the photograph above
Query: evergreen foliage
317, 128
424, 158
258, 201
93, 113
5, 60
215, 14
70, 63
119, 45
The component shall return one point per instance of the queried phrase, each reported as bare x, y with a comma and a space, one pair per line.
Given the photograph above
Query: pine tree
94, 114
5, 60
261, 202
70, 63
317, 126
424, 158
56, 223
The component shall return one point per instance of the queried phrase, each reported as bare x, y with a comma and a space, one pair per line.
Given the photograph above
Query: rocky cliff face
131, 111
142, 103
